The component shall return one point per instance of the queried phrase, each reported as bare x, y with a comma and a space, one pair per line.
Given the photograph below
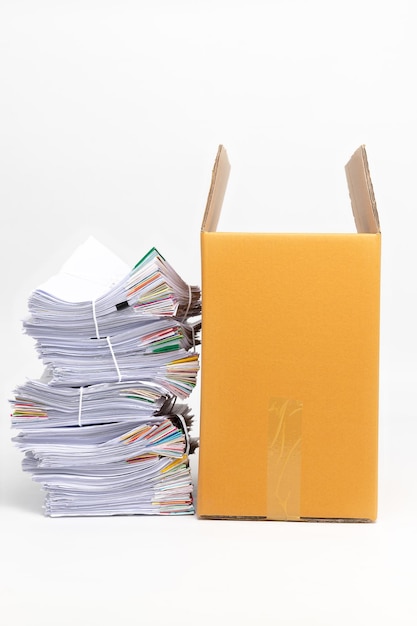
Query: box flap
219, 178
358, 178
361, 193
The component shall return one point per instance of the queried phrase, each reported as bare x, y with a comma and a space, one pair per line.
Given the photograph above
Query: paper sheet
88, 273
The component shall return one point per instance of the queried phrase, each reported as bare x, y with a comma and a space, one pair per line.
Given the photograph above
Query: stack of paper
105, 430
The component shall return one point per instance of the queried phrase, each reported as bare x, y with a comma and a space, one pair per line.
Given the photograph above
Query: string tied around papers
93, 303
80, 405
185, 431
114, 359
190, 299
193, 337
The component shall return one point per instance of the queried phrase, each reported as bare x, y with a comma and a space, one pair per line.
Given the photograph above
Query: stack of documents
105, 430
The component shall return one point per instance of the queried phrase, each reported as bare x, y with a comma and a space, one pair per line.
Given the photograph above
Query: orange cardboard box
290, 365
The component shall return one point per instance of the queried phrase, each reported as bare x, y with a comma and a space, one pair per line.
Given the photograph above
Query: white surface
110, 118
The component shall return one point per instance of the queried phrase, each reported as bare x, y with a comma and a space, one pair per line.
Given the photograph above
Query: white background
110, 117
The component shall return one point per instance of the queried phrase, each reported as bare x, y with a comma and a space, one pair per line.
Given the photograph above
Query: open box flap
358, 178
361, 193
219, 178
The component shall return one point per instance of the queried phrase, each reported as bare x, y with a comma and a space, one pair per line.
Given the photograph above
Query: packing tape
284, 459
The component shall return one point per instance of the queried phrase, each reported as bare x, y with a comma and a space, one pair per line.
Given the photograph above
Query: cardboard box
290, 362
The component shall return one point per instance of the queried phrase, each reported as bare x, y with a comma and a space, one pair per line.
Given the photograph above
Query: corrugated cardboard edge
219, 179
361, 193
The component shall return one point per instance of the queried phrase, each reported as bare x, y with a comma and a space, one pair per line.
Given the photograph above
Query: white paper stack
105, 430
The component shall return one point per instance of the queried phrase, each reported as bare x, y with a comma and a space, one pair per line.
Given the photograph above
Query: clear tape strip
284, 459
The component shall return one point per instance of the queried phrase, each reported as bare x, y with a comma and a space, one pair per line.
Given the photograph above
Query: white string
114, 359
187, 436
190, 298
193, 335
93, 303
80, 404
